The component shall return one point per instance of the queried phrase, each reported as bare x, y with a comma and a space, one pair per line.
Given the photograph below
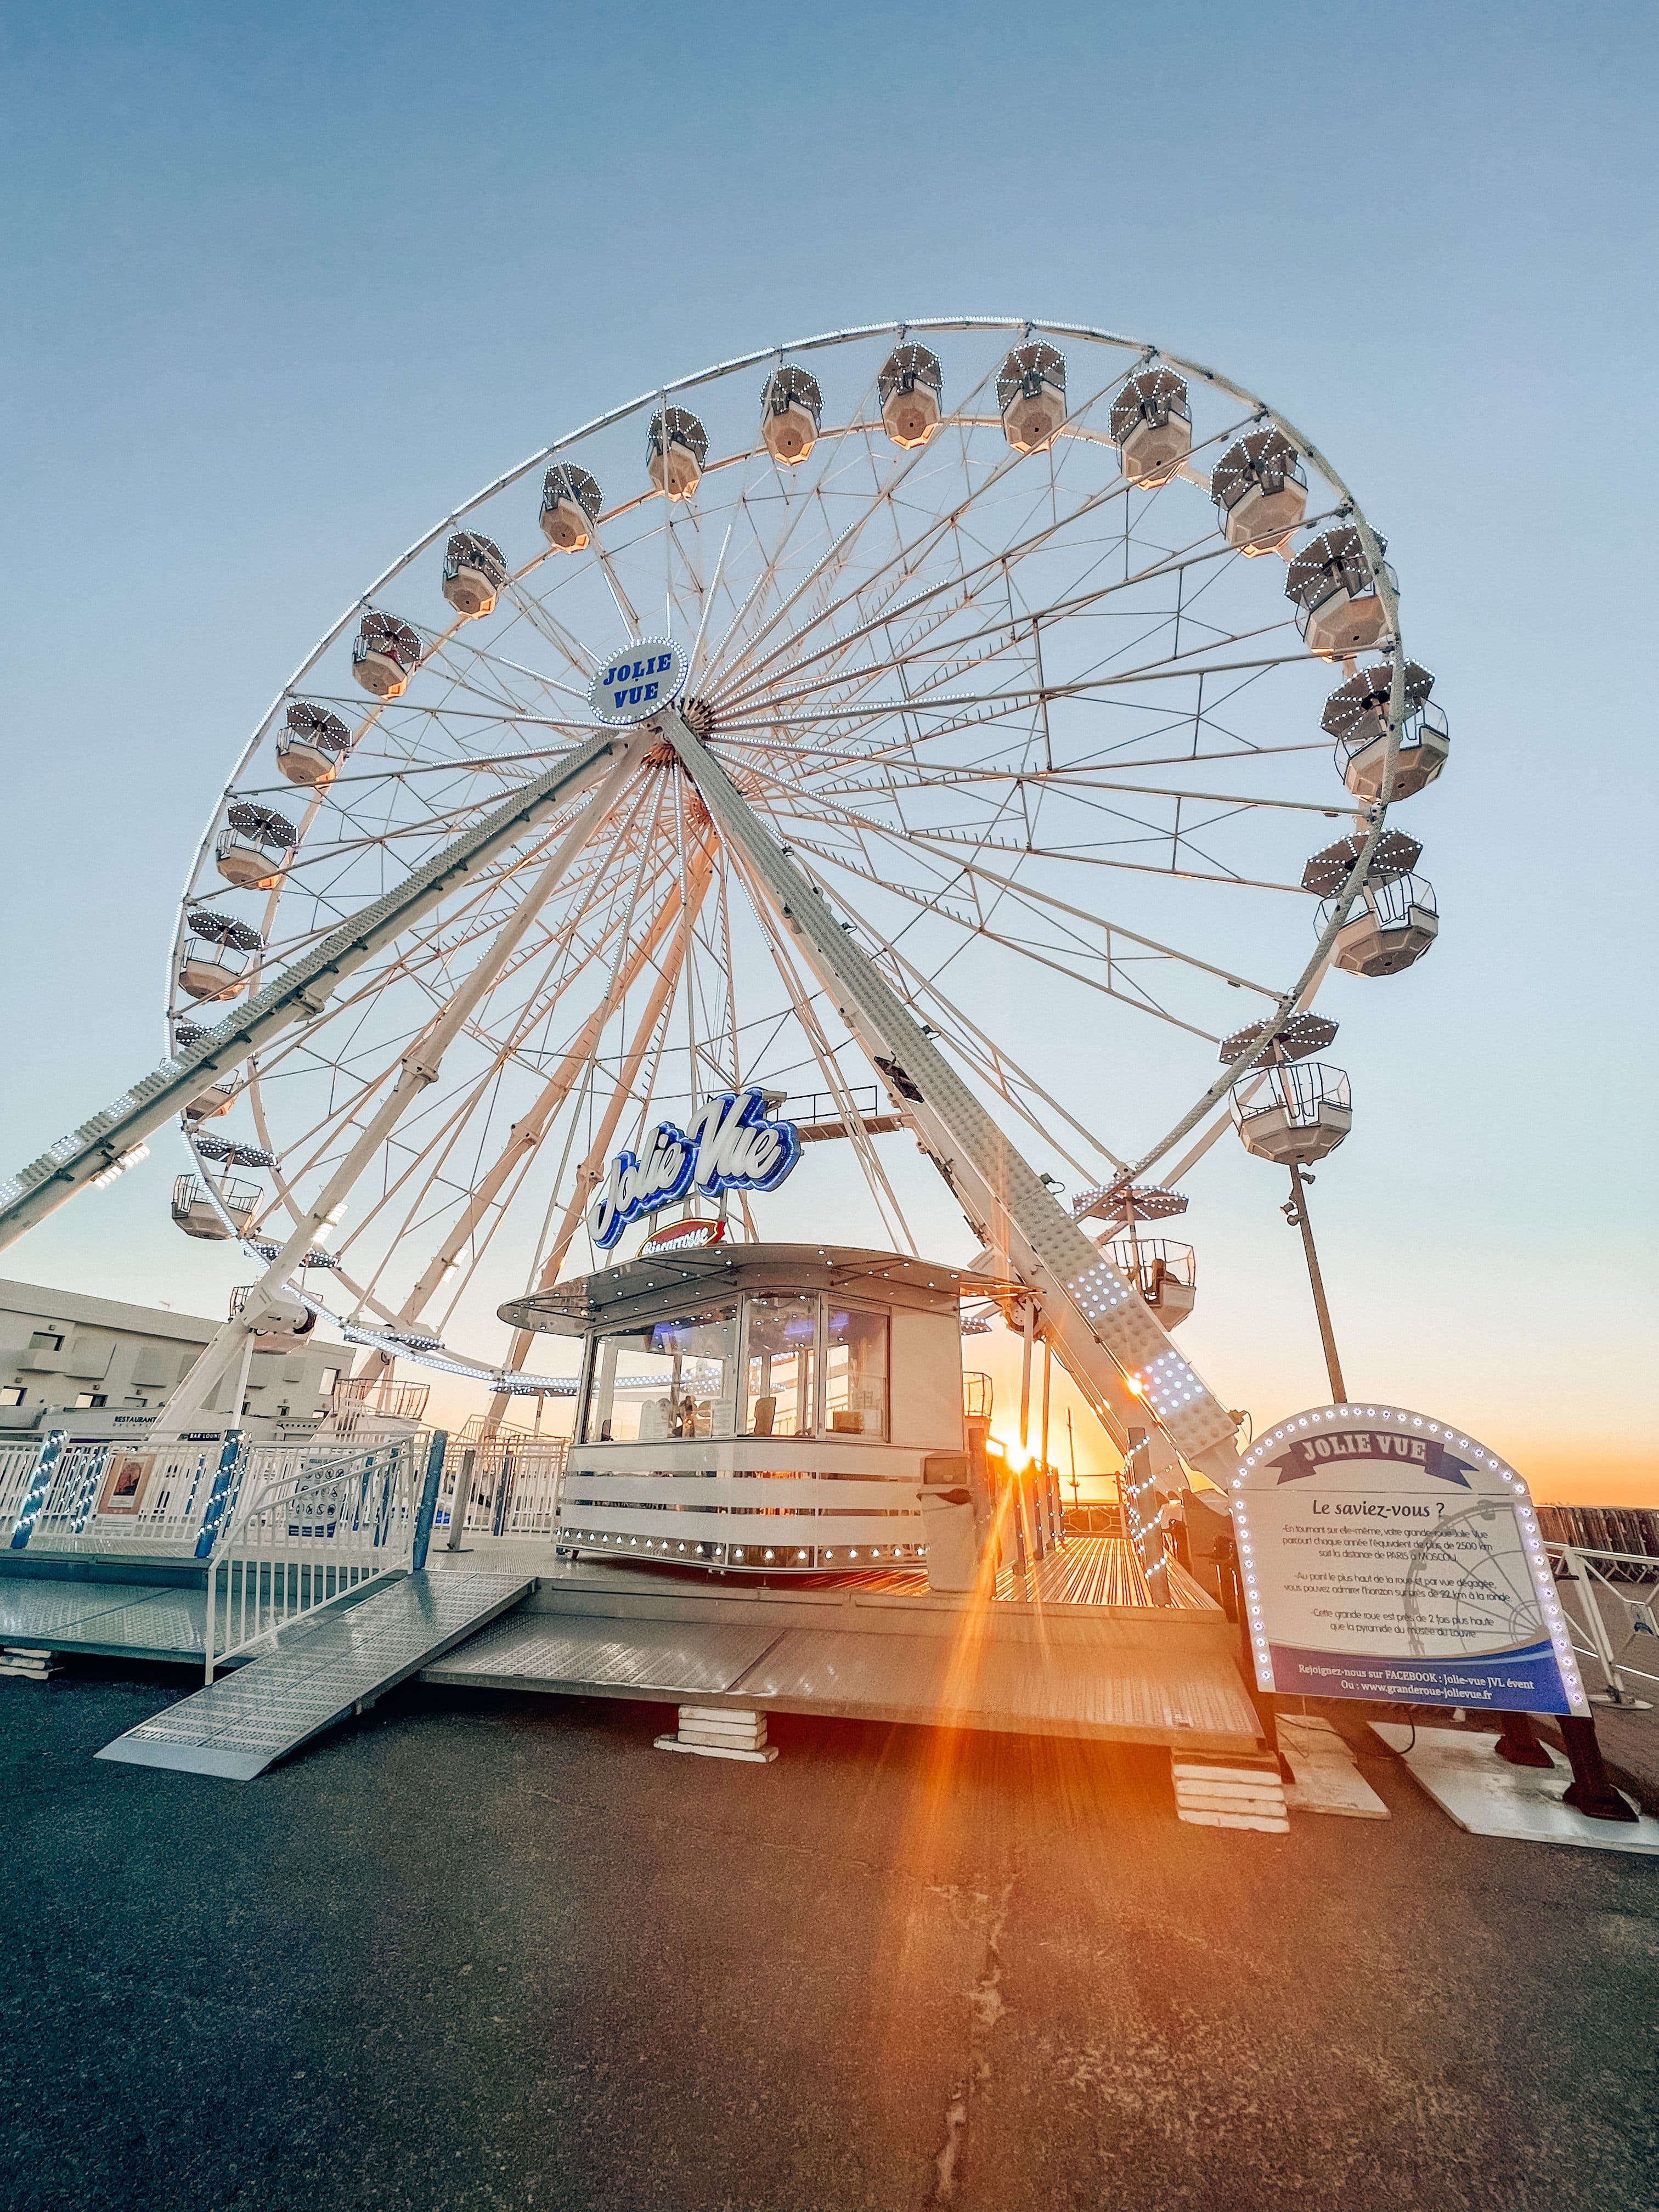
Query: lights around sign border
656, 670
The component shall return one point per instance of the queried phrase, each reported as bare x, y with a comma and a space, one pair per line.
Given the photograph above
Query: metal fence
1632, 1531
307, 1531
1610, 1599
500, 1486
119, 1497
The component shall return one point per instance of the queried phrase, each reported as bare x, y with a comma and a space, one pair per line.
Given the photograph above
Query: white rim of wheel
1023, 721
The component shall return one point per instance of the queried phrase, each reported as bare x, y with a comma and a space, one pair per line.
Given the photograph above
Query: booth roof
572, 1308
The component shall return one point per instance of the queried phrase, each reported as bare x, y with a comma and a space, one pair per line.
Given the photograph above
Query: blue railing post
218, 1496
44, 1467
428, 1504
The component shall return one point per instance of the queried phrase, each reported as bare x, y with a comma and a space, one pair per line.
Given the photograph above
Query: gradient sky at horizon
284, 285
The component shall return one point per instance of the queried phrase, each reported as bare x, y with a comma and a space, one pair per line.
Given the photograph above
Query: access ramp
334, 1663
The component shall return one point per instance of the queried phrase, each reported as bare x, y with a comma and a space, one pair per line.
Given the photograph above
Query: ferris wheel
1045, 660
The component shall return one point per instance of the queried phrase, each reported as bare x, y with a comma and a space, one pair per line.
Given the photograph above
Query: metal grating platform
596, 1657
1085, 1682
136, 1620
320, 1672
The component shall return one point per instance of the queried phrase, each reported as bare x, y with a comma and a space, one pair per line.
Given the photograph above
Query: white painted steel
86, 1509
306, 1532
820, 653
1103, 1331
1589, 1595
511, 1484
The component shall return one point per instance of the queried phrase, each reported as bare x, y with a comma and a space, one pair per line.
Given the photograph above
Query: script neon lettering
728, 1146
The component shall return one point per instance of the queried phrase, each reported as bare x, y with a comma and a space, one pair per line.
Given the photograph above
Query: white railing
508, 1486
117, 1497
305, 1531
1611, 1617
17, 1464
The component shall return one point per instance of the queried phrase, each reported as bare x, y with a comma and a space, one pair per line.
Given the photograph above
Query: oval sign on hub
639, 683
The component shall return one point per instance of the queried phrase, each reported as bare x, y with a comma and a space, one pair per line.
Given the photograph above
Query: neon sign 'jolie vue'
728, 1145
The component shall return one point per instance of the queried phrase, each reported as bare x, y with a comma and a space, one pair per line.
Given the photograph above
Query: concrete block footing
1225, 1792
721, 1732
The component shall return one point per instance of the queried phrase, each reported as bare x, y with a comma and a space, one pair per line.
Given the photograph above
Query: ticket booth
760, 1409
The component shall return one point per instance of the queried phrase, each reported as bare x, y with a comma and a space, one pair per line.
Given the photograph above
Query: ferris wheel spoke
927, 840
579, 658
973, 925
968, 1039
999, 563
835, 557
756, 684
801, 999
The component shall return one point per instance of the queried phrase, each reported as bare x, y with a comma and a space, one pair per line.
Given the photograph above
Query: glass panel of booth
675, 1379
664, 1380
855, 1371
780, 1363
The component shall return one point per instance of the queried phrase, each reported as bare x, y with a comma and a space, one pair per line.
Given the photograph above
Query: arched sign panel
1387, 1555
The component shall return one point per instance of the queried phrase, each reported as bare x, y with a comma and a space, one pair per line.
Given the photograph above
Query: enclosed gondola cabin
791, 410
570, 507
676, 447
1151, 427
475, 569
312, 745
1031, 397
760, 1408
384, 654
911, 389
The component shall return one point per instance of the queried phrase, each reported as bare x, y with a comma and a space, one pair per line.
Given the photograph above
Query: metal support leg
1590, 1792
39, 1486
1517, 1742
1298, 1211
459, 1502
428, 1504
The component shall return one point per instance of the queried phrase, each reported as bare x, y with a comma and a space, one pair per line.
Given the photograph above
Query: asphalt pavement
489, 1950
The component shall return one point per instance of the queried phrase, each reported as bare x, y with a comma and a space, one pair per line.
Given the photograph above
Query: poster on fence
124, 1482
1388, 1555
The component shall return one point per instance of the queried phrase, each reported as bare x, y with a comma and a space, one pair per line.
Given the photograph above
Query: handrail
305, 1531
1581, 1567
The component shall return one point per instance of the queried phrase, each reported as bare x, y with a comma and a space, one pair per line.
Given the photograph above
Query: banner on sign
1387, 1555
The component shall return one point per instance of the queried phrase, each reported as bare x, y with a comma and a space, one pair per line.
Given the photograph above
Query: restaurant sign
1386, 1555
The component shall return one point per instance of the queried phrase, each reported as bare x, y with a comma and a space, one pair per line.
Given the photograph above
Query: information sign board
1387, 1555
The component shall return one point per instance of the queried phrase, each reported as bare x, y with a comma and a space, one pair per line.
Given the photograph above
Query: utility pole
1296, 1214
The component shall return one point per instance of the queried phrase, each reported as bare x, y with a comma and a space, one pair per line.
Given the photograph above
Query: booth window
855, 1371
778, 1384
666, 1381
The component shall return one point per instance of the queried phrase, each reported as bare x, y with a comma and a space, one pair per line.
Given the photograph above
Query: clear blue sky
283, 284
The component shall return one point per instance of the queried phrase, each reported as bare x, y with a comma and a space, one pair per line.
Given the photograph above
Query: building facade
98, 1369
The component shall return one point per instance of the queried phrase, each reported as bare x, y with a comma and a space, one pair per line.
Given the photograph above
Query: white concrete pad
1488, 1796
1198, 1819
1328, 1779
717, 1750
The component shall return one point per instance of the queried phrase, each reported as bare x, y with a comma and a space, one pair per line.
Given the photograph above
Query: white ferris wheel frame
305, 985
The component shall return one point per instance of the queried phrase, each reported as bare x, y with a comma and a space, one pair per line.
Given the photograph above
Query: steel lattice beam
1105, 1335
